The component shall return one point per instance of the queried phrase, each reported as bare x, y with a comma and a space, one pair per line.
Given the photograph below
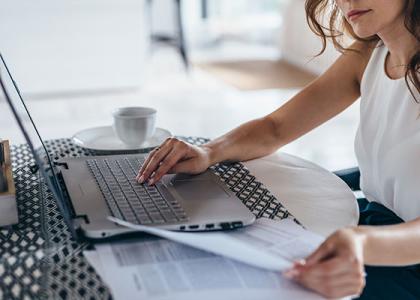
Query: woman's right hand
174, 156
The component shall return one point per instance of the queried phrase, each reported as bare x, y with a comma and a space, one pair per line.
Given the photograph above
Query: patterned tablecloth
39, 259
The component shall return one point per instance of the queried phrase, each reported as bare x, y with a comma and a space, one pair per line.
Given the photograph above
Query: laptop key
142, 215
131, 219
155, 216
146, 221
168, 216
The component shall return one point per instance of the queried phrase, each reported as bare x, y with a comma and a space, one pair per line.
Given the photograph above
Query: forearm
260, 137
392, 245
324, 98
250, 140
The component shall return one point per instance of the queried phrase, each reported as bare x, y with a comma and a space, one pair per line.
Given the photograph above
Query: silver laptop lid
11, 94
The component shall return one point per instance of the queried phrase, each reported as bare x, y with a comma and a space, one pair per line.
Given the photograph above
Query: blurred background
205, 65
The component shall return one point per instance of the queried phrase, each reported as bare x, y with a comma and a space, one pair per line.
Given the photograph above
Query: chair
178, 40
351, 177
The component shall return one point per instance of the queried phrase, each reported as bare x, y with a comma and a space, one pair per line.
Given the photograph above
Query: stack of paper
241, 264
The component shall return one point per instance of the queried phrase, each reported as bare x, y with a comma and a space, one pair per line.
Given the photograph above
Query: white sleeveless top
387, 142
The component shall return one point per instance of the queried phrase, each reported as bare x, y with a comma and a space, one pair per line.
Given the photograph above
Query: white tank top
387, 143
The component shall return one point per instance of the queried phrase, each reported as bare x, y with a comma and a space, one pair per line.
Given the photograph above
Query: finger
345, 290
151, 154
140, 173
298, 266
323, 251
310, 282
351, 287
154, 162
350, 276
329, 284
146, 161
332, 267
340, 289
167, 163
328, 281
337, 278
148, 158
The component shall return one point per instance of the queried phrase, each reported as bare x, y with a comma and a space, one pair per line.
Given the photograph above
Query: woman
382, 68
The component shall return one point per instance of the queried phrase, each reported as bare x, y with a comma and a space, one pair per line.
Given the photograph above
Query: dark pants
387, 282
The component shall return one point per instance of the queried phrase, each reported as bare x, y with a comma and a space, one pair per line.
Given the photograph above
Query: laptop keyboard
129, 200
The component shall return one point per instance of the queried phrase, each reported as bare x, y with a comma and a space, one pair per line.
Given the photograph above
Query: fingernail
290, 274
151, 182
141, 179
301, 262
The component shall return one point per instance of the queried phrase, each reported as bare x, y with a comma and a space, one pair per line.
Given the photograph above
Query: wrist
363, 235
211, 153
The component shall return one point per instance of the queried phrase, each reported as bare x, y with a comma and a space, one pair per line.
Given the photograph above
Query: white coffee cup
134, 125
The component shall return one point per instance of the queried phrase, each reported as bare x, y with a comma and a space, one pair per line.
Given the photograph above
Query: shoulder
359, 54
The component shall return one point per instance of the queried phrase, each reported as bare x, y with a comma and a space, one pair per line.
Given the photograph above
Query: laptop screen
10, 93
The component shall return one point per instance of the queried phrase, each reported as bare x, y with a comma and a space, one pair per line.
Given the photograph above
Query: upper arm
324, 98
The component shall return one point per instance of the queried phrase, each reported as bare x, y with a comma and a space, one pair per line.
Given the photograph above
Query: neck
401, 44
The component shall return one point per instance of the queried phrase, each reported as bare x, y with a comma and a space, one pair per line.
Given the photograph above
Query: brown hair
337, 26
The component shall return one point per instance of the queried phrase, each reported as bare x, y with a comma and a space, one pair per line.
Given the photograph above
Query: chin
364, 32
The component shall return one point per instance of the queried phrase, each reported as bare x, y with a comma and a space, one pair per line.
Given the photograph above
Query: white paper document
268, 244
154, 268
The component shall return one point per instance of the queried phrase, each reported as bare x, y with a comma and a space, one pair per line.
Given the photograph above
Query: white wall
164, 17
55, 46
299, 45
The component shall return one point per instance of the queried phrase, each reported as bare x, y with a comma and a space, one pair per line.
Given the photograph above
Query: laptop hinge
61, 164
66, 195
81, 218
77, 219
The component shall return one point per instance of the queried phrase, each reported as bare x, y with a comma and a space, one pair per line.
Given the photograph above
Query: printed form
173, 268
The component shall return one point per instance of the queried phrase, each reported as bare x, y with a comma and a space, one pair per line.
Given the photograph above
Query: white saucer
105, 139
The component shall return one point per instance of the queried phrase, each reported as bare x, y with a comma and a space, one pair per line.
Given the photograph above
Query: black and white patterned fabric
38, 257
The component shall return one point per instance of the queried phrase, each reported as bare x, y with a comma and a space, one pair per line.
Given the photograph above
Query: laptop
88, 190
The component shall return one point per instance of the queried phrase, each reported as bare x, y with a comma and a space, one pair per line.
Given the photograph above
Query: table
39, 259
321, 201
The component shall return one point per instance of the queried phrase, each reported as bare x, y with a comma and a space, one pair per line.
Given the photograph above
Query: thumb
325, 250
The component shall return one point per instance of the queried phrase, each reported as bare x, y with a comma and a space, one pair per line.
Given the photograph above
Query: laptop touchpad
196, 189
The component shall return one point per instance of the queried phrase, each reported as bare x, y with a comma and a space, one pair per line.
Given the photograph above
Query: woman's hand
336, 268
174, 156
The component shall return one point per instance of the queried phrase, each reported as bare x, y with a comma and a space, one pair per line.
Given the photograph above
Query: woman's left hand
336, 268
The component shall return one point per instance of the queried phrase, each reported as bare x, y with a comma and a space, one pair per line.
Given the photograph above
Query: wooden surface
8, 209
259, 74
8, 170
